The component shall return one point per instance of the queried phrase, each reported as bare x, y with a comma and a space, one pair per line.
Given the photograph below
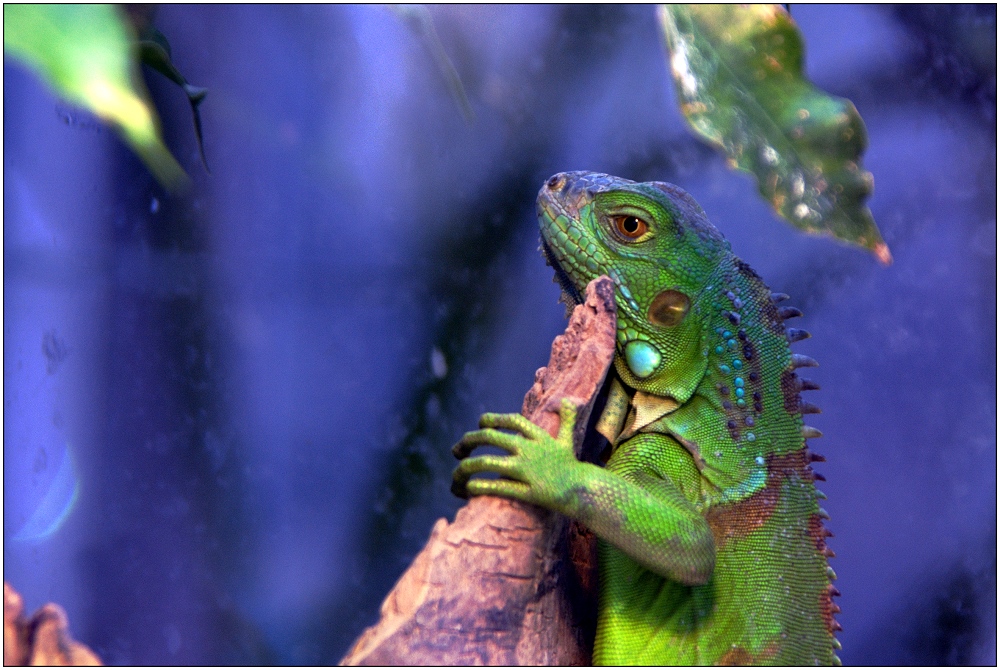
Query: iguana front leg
631, 504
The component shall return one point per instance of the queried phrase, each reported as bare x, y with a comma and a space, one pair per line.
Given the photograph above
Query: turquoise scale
642, 358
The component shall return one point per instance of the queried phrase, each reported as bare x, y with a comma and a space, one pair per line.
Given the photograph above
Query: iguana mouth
570, 294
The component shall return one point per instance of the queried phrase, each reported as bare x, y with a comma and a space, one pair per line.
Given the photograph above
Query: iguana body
711, 542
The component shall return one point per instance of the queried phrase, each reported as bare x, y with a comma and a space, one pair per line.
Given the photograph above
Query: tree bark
508, 583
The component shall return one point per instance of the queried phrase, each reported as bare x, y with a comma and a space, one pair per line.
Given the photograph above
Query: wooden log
508, 583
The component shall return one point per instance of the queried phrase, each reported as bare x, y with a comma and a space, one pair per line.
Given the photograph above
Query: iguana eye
631, 227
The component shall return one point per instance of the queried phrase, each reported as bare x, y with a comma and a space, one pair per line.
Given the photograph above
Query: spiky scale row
798, 361
808, 432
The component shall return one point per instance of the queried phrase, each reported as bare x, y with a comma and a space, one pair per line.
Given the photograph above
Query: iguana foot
536, 468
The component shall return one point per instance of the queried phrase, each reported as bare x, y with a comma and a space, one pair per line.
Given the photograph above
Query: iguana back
738, 453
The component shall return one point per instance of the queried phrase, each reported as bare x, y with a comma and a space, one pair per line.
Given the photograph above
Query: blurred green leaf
739, 80
84, 53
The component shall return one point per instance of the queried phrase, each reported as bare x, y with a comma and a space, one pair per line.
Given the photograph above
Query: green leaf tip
738, 75
84, 53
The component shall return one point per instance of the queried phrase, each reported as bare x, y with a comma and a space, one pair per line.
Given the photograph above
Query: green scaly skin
711, 543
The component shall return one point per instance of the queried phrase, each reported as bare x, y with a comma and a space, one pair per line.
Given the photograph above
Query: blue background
248, 381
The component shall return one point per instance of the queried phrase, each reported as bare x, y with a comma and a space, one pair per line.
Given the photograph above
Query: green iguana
712, 548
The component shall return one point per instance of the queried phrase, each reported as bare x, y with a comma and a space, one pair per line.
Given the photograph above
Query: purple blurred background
245, 397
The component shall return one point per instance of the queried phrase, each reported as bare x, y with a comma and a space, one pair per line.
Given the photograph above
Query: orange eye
631, 227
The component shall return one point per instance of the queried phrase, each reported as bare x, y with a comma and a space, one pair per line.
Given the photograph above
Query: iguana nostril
556, 182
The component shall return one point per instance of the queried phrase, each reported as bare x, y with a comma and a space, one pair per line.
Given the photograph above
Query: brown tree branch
508, 583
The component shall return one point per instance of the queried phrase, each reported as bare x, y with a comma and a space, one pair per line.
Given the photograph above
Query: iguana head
660, 250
